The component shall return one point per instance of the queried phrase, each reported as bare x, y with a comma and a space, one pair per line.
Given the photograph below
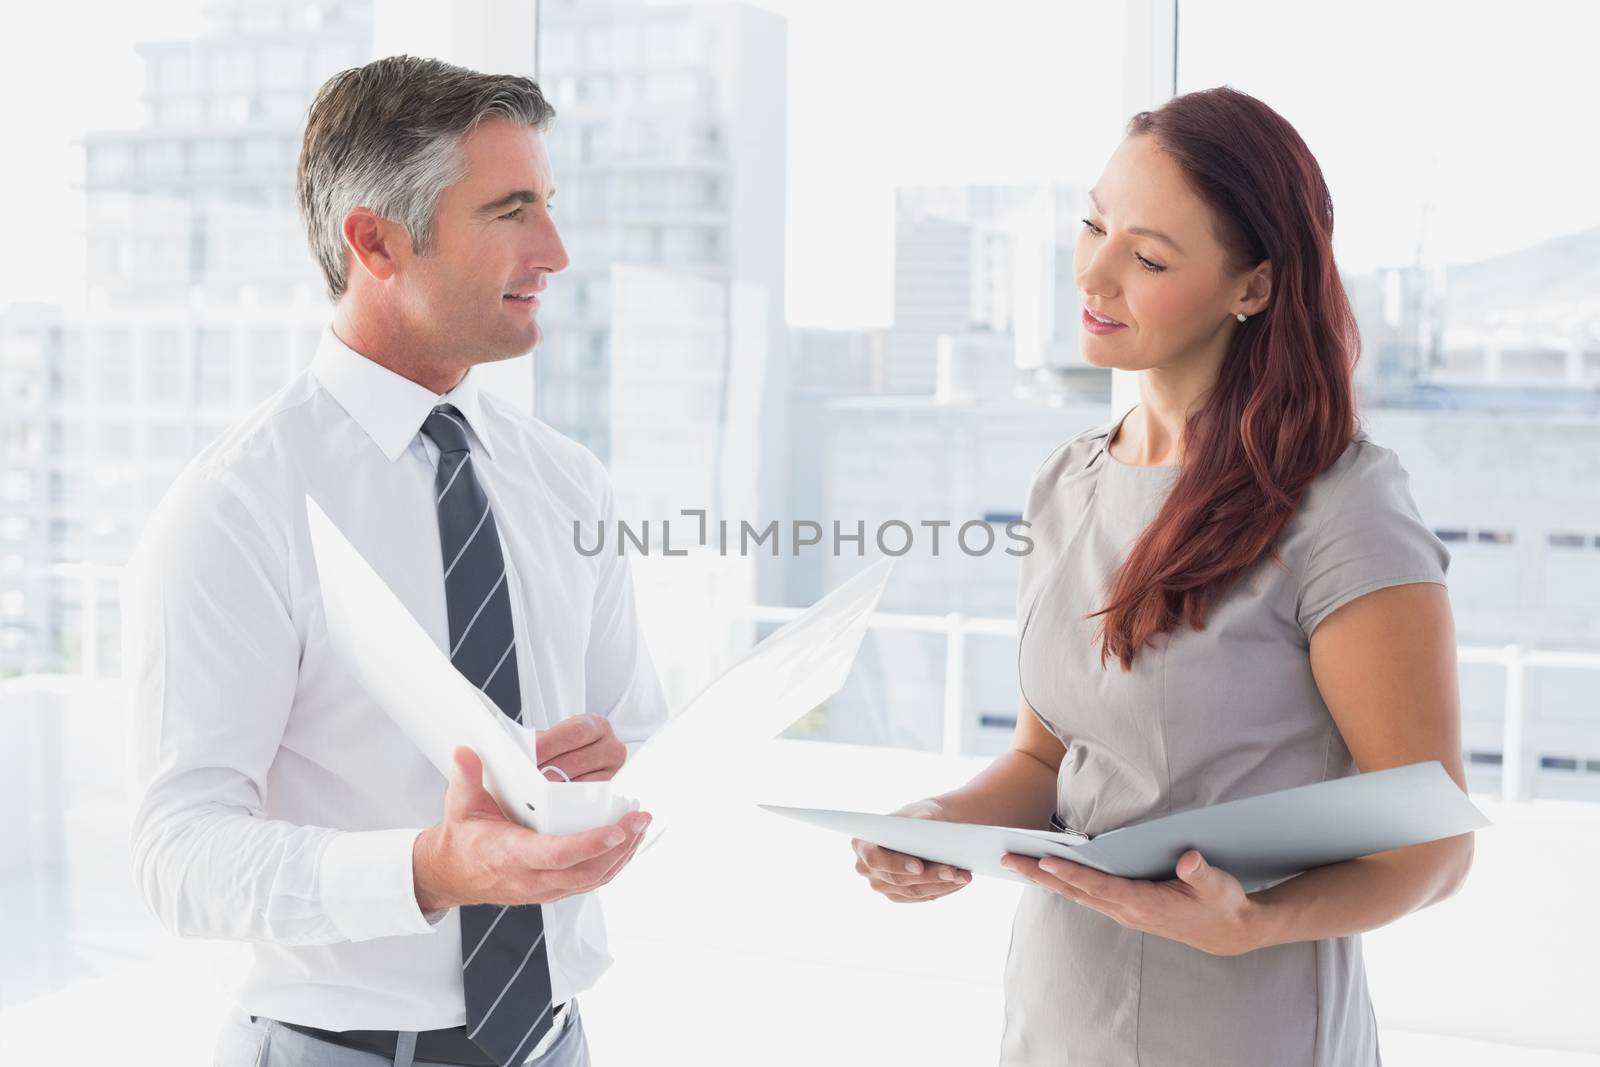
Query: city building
203, 302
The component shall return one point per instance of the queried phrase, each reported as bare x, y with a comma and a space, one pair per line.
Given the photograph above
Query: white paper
1259, 840
779, 680
410, 678
696, 764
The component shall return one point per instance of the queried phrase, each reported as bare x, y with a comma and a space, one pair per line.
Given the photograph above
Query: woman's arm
1385, 665
1017, 789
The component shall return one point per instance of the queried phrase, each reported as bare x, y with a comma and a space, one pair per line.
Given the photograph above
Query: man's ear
1258, 289
373, 241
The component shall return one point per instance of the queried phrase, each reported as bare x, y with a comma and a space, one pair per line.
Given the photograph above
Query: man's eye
513, 214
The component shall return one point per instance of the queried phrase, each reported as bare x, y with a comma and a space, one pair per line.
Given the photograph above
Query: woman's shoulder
1068, 461
1358, 529
1366, 477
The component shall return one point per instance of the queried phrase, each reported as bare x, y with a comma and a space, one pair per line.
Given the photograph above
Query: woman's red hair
1283, 408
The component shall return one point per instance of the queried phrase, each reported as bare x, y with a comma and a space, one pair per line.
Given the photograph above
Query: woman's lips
1098, 328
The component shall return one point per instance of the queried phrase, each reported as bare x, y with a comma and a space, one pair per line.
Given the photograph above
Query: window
18, 486
748, 319
214, 367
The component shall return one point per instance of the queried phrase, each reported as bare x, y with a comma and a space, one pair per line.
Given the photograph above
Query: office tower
1515, 332
986, 259
665, 346
29, 337
202, 300
669, 150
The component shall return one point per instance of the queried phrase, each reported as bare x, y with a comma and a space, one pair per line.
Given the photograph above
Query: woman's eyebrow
1139, 230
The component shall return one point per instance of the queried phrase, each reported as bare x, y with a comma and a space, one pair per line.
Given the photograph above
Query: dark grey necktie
504, 961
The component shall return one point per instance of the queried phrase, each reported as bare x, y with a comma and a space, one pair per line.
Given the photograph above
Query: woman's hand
1203, 907
907, 879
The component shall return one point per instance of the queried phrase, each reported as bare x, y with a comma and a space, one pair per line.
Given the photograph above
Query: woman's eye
1091, 226
1153, 268
517, 214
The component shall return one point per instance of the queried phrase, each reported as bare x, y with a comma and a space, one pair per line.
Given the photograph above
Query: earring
1242, 316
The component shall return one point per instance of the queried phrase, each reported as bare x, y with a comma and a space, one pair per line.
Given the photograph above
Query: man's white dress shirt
275, 802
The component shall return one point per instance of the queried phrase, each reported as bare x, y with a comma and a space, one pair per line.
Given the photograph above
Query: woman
1230, 593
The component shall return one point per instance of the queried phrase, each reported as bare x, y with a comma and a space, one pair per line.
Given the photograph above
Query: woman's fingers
902, 866
910, 894
882, 859
938, 874
889, 868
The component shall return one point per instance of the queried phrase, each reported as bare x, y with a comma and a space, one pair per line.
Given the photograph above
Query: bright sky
1482, 110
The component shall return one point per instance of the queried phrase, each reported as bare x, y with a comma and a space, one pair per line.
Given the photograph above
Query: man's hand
584, 747
478, 856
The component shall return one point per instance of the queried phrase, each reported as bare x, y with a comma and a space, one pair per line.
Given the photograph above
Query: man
275, 802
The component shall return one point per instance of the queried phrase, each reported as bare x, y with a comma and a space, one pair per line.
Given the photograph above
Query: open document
778, 681
764, 692
701, 762
1259, 840
411, 678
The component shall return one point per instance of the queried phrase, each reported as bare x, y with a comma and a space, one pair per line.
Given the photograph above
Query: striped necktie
505, 964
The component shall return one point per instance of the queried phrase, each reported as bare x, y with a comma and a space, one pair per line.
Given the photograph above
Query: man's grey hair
387, 137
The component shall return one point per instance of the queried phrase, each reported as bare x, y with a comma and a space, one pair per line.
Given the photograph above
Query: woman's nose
1095, 278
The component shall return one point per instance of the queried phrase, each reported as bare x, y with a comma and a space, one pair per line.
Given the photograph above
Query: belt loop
405, 1048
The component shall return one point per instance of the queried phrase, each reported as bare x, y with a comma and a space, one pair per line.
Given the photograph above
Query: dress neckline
1105, 448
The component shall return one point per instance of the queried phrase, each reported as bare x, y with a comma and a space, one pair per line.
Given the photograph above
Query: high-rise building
29, 337
985, 259
203, 300
665, 344
669, 152
1516, 332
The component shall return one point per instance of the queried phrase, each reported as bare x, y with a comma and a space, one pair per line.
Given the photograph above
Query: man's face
476, 293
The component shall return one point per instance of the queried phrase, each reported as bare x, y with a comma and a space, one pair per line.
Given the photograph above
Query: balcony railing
1516, 779
1516, 758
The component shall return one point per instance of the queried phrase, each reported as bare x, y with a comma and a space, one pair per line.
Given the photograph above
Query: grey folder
1259, 840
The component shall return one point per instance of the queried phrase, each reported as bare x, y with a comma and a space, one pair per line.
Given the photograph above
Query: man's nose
549, 252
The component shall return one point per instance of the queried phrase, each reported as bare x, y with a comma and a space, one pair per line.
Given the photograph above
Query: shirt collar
389, 407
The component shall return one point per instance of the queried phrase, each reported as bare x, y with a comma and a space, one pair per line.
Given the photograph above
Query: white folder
411, 679
1260, 840
792, 671
778, 681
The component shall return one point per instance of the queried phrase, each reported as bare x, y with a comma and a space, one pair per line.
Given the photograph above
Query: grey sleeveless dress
1204, 716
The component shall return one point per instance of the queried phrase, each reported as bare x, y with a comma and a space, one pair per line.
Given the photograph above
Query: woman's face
1148, 259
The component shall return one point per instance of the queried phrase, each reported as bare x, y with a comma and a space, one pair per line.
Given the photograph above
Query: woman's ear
1257, 289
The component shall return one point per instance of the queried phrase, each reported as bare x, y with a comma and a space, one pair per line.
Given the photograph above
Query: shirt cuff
367, 887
